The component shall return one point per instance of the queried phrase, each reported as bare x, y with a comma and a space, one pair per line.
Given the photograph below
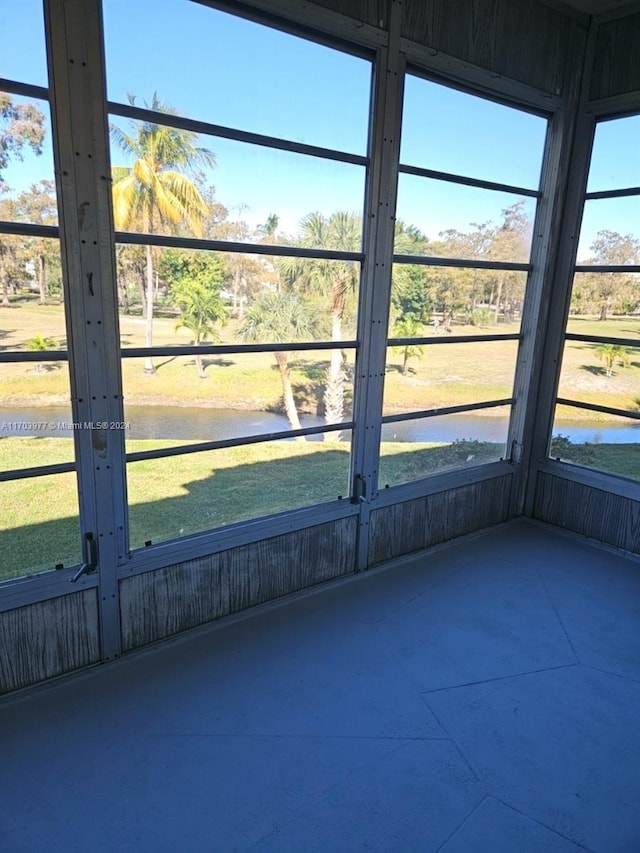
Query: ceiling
594, 7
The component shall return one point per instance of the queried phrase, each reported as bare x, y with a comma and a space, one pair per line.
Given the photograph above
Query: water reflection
200, 424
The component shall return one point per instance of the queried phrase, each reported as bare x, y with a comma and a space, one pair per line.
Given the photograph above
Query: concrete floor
483, 698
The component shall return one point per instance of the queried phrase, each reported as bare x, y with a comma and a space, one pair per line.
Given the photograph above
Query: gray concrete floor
485, 697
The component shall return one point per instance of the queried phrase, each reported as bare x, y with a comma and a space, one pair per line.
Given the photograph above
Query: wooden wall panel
164, 602
616, 65
422, 522
594, 513
42, 640
520, 39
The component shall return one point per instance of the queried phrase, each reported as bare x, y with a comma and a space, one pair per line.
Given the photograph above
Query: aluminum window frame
621, 192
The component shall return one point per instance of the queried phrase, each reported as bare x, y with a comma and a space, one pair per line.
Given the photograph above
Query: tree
341, 231
609, 353
41, 254
153, 194
278, 318
201, 308
614, 291
408, 326
38, 343
20, 125
196, 280
269, 228
410, 292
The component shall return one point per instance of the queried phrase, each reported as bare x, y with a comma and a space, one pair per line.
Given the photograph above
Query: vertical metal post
376, 277
565, 231
76, 68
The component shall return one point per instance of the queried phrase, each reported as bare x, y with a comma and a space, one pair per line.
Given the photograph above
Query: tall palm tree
154, 193
341, 231
278, 318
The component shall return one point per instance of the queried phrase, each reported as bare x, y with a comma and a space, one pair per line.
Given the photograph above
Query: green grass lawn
176, 496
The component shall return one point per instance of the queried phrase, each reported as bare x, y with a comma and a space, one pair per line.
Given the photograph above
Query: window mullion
82, 168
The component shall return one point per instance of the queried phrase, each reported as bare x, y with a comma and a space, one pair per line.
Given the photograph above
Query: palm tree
609, 353
201, 308
341, 231
278, 318
152, 193
408, 326
39, 343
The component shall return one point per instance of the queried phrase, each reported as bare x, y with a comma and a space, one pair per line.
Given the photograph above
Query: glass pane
32, 283
610, 232
179, 495
39, 525
414, 449
605, 304
23, 55
239, 192
603, 374
244, 394
262, 80
506, 144
443, 301
229, 297
614, 160
448, 220
35, 402
448, 375
27, 183
612, 445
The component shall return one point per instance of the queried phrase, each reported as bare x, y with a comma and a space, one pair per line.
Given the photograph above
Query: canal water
202, 424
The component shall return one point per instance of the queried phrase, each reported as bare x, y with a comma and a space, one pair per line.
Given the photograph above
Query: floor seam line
543, 825
392, 738
453, 741
631, 678
557, 612
500, 678
461, 824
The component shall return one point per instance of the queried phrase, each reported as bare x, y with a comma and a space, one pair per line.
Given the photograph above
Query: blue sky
225, 70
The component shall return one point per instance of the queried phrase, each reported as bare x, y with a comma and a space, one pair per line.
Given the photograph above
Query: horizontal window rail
629, 191
164, 241
195, 126
182, 449
453, 178
40, 471
446, 410
595, 407
17, 356
28, 229
13, 87
461, 263
607, 268
599, 339
453, 339
234, 349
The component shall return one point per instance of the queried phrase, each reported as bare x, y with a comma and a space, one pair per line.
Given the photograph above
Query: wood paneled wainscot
419, 523
42, 640
159, 603
597, 514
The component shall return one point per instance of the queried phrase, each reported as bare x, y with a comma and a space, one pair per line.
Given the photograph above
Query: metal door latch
90, 563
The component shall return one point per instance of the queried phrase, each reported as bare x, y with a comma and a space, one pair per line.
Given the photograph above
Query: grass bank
175, 496
444, 375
